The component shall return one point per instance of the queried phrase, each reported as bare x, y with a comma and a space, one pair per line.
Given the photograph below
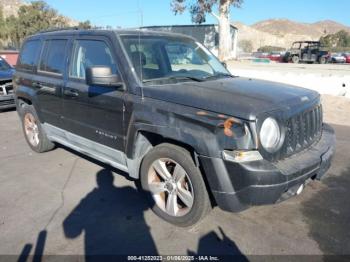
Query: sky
126, 13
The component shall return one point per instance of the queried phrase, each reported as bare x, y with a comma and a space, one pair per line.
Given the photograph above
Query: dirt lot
332, 79
63, 203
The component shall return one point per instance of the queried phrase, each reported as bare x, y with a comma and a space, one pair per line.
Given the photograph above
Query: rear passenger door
49, 80
93, 113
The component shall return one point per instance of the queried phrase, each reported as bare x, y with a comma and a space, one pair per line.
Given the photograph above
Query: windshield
4, 65
169, 59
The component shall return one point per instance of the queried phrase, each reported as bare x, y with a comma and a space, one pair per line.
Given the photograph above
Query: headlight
270, 135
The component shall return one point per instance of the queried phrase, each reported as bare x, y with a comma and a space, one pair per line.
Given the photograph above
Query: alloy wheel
31, 129
171, 187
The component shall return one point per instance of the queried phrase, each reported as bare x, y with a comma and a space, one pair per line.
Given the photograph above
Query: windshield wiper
219, 75
173, 78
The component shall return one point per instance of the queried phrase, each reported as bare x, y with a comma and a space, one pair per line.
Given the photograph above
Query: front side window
162, 58
53, 57
89, 53
29, 55
183, 57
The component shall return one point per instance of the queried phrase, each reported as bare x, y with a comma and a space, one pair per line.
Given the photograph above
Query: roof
195, 25
70, 32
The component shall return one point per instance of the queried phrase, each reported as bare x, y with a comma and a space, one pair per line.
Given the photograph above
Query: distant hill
283, 32
330, 27
280, 27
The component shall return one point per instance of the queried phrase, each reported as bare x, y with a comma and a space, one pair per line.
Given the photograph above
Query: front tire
295, 59
322, 60
174, 185
33, 131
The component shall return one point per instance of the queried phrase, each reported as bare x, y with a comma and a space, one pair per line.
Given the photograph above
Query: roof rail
59, 29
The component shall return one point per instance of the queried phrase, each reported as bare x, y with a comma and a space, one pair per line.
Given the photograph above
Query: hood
240, 97
6, 74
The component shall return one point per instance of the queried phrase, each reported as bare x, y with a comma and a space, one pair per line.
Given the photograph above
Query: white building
206, 34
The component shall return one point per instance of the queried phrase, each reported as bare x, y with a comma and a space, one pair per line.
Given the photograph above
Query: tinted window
53, 57
88, 53
29, 55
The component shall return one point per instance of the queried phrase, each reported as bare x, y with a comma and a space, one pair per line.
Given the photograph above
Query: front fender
207, 132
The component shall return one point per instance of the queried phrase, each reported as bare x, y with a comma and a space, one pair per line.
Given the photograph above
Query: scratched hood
241, 97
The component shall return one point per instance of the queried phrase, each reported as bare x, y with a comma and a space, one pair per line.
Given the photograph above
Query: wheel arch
26, 96
144, 141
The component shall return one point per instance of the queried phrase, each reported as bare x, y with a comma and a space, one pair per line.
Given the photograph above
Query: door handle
71, 93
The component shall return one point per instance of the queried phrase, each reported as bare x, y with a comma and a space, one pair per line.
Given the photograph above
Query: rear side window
29, 55
53, 56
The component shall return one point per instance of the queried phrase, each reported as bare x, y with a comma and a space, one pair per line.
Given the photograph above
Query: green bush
246, 45
337, 42
269, 49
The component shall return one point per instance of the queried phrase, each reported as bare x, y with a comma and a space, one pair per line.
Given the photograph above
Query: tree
85, 25
2, 25
12, 31
200, 8
31, 19
269, 49
246, 46
338, 41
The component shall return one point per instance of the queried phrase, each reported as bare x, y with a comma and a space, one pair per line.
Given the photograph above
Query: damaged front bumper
236, 186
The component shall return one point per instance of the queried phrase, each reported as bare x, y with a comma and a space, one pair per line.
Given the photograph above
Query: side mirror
102, 76
224, 64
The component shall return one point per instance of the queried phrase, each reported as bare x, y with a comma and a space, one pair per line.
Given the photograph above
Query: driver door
94, 114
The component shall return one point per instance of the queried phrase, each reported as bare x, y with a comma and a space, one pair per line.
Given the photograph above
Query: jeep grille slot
7, 102
302, 130
6, 88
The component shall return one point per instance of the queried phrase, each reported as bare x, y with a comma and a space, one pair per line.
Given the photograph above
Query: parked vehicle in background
6, 87
275, 56
260, 54
337, 58
163, 108
347, 57
306, 52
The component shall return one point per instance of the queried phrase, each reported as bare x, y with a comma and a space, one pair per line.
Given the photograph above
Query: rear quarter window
28, 58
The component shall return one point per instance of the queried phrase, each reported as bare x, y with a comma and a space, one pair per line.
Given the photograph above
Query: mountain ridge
283, 32
284, 26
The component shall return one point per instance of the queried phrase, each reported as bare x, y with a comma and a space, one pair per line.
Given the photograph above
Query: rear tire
182, 202
33, 131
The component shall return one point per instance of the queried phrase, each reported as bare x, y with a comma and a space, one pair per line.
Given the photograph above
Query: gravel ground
63, 203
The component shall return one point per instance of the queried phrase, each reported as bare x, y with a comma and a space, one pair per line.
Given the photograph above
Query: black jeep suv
161, 107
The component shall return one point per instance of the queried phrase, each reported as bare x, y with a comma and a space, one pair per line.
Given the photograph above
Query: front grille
6, 88
7, 102
302, 130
